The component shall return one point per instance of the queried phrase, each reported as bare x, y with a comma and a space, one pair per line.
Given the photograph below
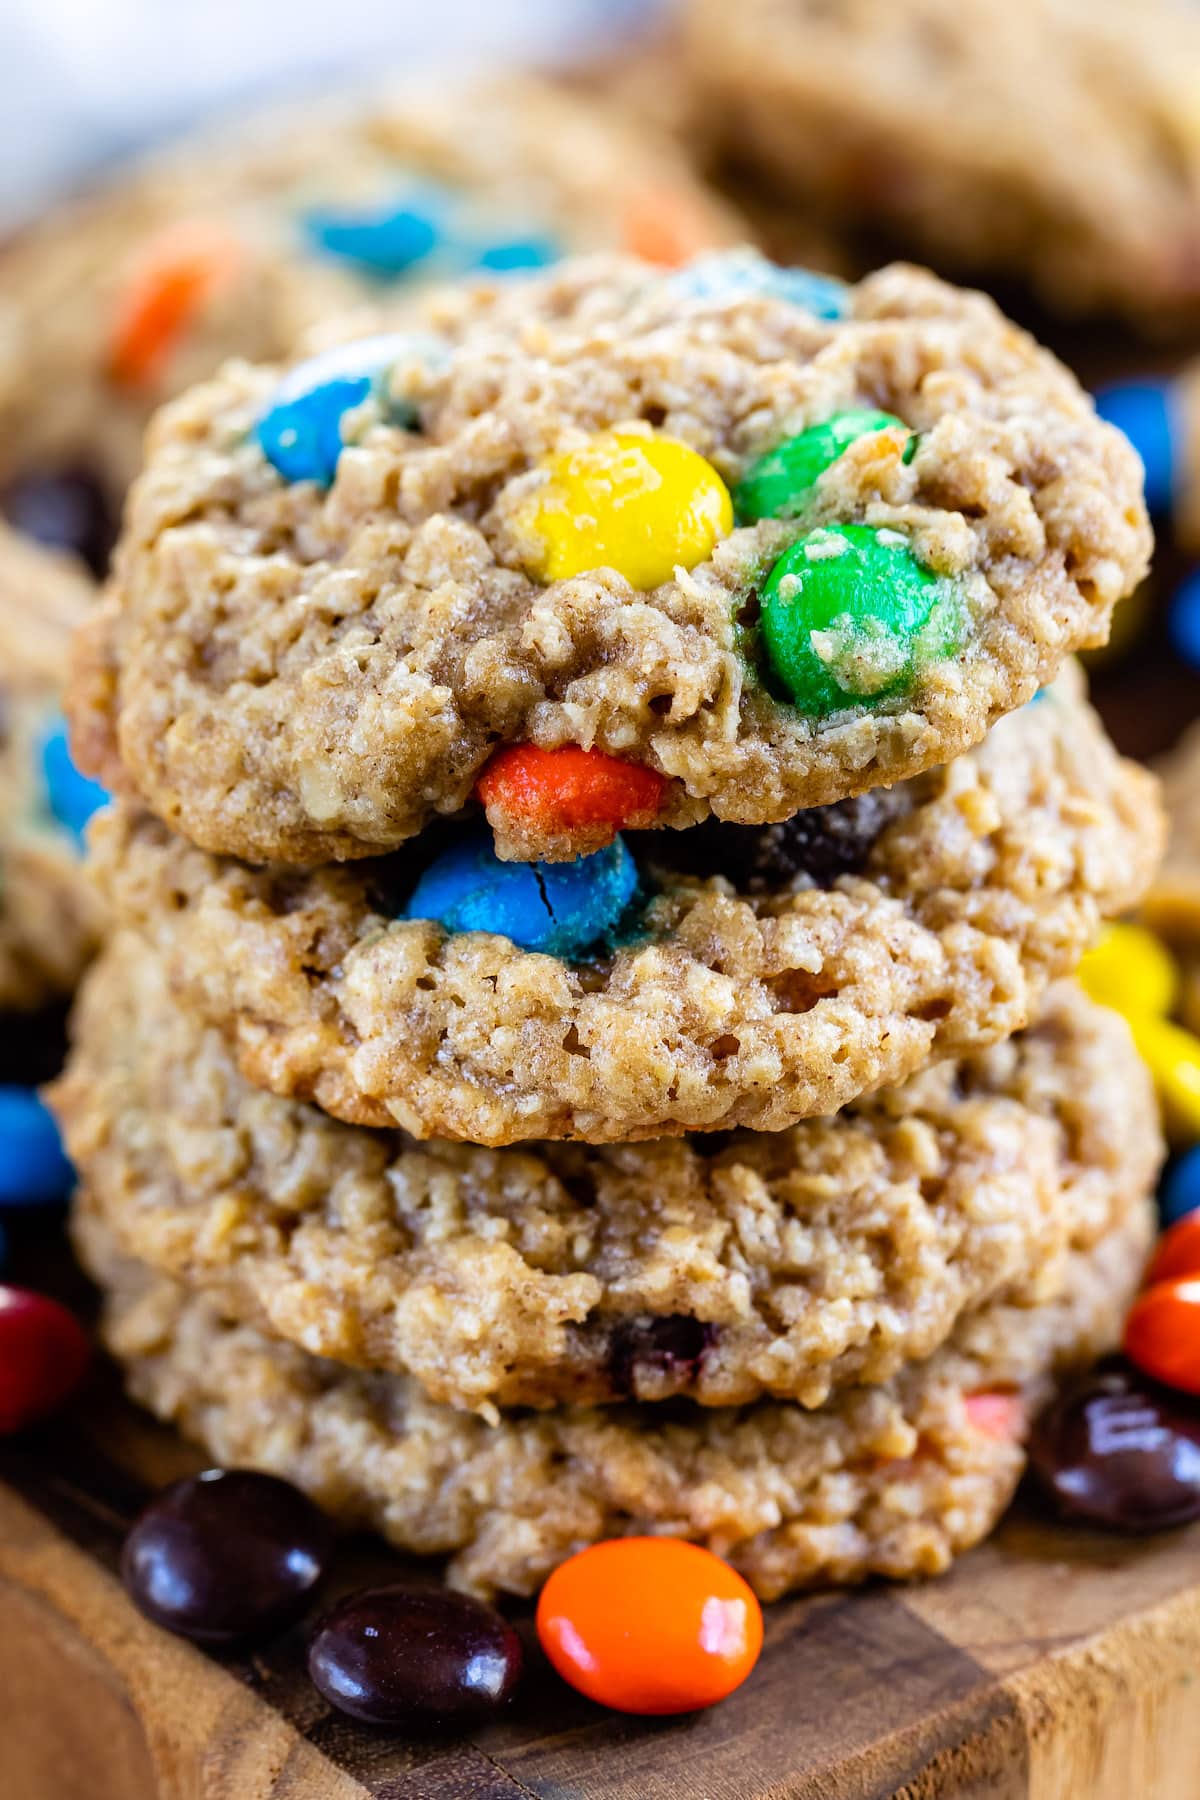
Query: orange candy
570, 790
996, 1414
181, 270
665, 227
1178, 1251
1162, 1333
650, 1625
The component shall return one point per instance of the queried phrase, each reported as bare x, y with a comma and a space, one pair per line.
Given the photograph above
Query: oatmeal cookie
234, 244
788, 1263
762, 977
691, 526
892, 1480
49, 913
1052, 141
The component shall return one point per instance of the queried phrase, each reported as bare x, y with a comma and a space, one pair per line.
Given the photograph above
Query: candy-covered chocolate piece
65, 509
745, 274
1146, 412
1179, 1191
176, 274
560, 909
34, 1170
549, 556
780, 484
637, 502
44, 1355
816, 846
650, 1625
412, 1657
849, 616
1131, 969
302, 432
1162, 1332
1120, 1451
71, 796
383, 240
1183, 620
567, 798
227, 1556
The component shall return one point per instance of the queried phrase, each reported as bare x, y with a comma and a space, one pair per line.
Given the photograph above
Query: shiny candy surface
1183, 620
1145, 412
72, 797
1173, 1058
570, 790
44, 1354
850, 616
650, 1625
1177, 1252
745, 274
1179, 1190
635, 502
1118, 1451
301, 432
415, 1656
562, 909
178, 275
226, 1556
1162, 1333
383, 240
1131, 970
780, 484
34, 1170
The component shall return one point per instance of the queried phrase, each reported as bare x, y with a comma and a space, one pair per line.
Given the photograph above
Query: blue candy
301, 431
71, 797
1179, 1190
741, 274
562, 909
384, 241
1143, 411
533, 252
34, 1170
1183, 620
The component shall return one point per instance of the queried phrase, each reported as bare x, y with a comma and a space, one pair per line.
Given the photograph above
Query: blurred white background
86, 81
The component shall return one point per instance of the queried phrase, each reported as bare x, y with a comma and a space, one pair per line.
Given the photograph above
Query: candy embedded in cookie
382, 240
177, 274
561, 909
71, 796
780, 484
745, 274
850, 616
634, 501
302, 431
573, 799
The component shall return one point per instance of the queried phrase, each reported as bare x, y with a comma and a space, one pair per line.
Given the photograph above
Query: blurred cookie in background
1043, 140
236, 245
49, 913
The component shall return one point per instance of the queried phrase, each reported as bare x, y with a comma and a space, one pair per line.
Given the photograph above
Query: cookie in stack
605, 812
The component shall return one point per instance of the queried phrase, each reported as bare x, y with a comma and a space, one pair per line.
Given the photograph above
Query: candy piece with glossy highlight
560, 909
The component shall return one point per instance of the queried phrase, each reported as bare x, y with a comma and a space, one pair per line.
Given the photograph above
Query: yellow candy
1173, 1057
629, 501
1132, 971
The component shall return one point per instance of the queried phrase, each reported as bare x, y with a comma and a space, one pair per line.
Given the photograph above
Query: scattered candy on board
584, 795
34, 1170
44, 1355
1118, 1451
226, 1556
849, 614
561, 909
650, 1625
415, 1656
634, 501
71, 796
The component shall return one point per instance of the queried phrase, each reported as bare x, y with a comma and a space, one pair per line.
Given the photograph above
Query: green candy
849, 615
779, 484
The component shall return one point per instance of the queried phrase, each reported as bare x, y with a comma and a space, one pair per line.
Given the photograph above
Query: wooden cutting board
1052, 1663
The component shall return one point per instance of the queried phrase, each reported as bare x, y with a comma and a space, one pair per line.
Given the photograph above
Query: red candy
570, 792
665, 227
996, 1414
1178, 1251
1162, 1333
44, 1353
181, 271
650, 1625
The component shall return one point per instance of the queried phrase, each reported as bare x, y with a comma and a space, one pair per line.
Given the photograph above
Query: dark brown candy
415, 1656
226, 1556
672, 1346
66, 509
820, 844
1120, 1451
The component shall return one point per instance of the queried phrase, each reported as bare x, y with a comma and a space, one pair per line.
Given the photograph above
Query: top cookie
1052, 140
769, 540
237, 242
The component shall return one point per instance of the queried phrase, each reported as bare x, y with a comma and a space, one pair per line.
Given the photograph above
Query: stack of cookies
604, 810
